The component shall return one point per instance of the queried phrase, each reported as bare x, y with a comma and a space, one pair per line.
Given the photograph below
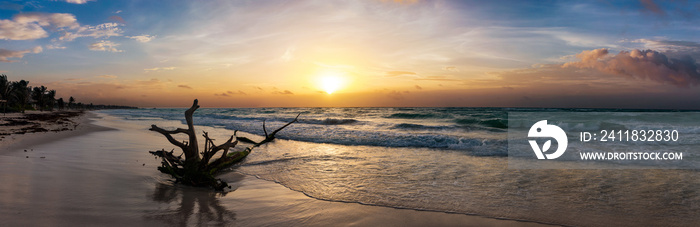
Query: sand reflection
188, 206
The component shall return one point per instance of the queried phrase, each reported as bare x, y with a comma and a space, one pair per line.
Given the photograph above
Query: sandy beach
101, 174
35, 127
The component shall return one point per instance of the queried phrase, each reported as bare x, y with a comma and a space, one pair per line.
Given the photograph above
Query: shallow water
466, 180
454, 182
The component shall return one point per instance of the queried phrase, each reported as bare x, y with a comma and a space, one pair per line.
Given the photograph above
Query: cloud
641, 64
104, 46
591, 56
107, 76
150, 82
399, 73
5, 54
11, 6
288, 54
451, 68
419, 87
117, 19
239, 92
78, 1
104, 30
159, 69
397, 95
437, 78
30, 26
55, 46
230, 93
285, 92
142, 38
59, 20
676, 46
184, 86
651, 6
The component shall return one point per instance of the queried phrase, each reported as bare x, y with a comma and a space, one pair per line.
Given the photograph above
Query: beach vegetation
71, 102
44, 99
61, 104
5, 90
19, 97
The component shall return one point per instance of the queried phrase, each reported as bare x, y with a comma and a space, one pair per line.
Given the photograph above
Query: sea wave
411, 126
417, 116
492, 122
329, 121
385, 127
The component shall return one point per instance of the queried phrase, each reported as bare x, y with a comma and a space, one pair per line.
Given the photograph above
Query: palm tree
5, 90
20, 94
38, 94
50, 99
61, 104
71, 102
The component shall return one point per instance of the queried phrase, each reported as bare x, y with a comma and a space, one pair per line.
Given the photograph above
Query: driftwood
199, 169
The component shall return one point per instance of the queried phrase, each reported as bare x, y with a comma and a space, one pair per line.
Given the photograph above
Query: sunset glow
364, 53
331, 81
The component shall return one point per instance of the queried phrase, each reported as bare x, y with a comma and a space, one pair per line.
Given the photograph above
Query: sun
331, 81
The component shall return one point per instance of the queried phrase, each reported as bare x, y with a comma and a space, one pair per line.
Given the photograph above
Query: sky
360, 53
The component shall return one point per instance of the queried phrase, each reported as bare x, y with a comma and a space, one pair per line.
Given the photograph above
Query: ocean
439, 159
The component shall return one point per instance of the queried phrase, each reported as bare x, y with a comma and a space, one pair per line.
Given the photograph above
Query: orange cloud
285, 92
230, 93
641, 64
399, 73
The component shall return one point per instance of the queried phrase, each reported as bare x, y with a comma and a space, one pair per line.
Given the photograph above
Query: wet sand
92, 176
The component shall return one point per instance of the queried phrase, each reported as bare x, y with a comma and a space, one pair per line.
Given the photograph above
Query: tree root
200, 169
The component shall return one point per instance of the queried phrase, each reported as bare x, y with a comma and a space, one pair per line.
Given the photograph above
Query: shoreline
449, 220
119, 176
310, 211
17, 138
